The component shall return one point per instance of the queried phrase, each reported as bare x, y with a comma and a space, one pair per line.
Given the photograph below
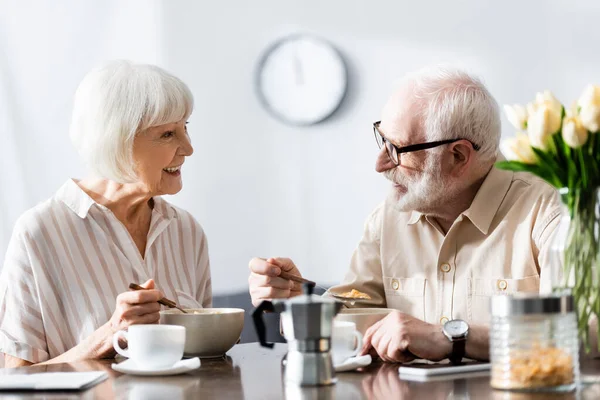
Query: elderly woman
64, 284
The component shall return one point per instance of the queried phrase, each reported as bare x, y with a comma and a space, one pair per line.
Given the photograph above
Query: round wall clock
301, 79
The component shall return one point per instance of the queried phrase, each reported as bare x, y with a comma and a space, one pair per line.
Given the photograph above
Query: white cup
152, 346
346, 341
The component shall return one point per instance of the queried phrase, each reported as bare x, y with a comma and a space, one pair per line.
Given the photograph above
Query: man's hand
265, 283
400, 338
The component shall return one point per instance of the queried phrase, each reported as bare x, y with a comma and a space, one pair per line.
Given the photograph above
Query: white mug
152, 346
346, 341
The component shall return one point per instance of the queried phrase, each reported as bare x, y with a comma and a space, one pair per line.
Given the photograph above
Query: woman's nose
186, 146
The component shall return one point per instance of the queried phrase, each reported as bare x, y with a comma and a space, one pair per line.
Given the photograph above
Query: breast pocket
187, 301
406, 295
480, 290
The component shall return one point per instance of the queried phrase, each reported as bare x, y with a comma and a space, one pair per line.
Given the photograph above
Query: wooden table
252, 372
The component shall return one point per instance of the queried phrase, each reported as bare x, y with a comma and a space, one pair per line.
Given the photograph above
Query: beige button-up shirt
501, 244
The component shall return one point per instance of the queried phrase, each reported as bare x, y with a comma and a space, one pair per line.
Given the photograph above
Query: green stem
582, 258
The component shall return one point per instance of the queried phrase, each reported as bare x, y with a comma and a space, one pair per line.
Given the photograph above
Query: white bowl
363, 317
210, 332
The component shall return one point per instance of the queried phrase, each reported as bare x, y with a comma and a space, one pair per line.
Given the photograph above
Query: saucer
353, 363
130, 367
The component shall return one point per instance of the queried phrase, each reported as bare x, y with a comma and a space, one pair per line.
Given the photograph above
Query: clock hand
298, 71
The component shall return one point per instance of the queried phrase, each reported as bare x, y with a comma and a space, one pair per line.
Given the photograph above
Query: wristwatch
456, 331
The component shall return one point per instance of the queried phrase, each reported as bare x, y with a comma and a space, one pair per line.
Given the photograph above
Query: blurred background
258, 186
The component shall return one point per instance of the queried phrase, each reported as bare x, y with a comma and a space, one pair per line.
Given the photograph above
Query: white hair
455, 104
115, 102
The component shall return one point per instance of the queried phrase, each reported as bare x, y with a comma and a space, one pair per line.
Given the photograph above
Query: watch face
301, 80
456, 328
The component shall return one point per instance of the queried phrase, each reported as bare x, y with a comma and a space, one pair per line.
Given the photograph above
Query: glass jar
533, 343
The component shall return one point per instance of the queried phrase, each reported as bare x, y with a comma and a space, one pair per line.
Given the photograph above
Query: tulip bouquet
562, 147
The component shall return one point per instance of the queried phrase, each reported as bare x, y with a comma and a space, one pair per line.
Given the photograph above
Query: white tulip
590, 118
590, 108
544, 119
516, 115
573, 132
518, 148
590, 96
548, 99
541, 125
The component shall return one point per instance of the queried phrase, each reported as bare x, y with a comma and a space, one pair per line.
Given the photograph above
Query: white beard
424, 193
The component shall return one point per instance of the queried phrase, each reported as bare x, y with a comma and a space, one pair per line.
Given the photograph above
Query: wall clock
301, 79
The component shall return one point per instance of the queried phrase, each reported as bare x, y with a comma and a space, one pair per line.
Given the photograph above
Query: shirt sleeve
365, 266
204, 284
22, 332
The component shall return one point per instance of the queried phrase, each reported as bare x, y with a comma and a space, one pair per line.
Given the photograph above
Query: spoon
299, 279
164, 301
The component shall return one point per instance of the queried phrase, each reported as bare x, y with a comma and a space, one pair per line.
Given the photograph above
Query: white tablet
429, 369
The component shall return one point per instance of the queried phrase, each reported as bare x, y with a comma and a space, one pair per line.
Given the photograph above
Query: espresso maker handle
259, 323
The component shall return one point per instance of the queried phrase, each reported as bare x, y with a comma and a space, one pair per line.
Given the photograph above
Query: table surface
252, 372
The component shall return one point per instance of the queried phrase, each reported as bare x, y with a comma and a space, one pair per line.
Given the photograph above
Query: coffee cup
346, 341
152, 346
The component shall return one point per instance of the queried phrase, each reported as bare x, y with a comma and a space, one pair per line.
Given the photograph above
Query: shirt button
445, 267
443, 320
502, 284
395, 284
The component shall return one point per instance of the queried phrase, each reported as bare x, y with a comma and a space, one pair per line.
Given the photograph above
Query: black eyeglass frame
412, 147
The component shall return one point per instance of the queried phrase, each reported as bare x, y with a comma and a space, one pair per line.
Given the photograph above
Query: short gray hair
456, 104
115, 102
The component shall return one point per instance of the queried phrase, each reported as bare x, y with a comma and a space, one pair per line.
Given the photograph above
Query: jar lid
528, 304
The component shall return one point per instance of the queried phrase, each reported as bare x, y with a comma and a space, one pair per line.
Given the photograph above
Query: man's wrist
456, 331
446, 344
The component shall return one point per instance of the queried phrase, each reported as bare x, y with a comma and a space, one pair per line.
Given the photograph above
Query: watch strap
458, 351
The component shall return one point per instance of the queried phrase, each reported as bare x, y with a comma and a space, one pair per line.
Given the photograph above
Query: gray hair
114, 103
456, 104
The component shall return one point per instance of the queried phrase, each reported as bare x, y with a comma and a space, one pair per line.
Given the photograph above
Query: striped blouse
70, 257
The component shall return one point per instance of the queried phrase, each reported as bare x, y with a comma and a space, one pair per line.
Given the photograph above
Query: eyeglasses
394, 152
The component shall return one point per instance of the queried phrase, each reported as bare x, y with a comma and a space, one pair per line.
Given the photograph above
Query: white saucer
129, 367
354, 363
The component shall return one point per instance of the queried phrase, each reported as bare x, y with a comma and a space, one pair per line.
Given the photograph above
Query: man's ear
462, 155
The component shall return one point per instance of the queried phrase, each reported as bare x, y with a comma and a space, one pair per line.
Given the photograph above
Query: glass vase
575, 256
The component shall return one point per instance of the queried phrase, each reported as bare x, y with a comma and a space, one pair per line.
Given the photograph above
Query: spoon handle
164, 301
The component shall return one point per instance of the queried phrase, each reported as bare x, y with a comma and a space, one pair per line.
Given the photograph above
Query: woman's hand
137, 307
133, 308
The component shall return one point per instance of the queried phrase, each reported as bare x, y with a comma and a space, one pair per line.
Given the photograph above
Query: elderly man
453, 231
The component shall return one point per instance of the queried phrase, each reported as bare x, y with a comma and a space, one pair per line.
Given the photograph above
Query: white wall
258, 187
46, 47
262, 188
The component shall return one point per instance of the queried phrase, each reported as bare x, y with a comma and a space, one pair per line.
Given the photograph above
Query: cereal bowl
210, 332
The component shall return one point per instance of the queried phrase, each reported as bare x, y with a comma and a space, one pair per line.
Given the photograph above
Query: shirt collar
80, 202
415, 217
75, 198
486, 201
164, 208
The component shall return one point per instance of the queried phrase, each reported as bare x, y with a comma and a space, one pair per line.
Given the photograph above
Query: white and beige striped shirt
70, 257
